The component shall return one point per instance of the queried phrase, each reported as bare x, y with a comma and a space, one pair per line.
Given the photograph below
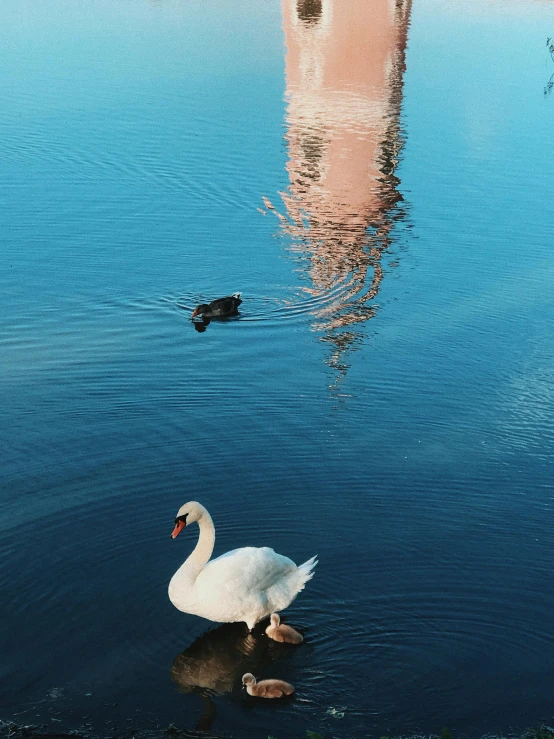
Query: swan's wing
245, 585
248, 569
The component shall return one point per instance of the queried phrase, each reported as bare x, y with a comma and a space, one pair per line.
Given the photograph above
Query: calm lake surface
376, 179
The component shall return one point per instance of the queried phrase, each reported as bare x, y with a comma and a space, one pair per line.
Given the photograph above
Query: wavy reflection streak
345, 64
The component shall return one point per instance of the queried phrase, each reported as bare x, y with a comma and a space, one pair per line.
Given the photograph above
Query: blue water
386, 403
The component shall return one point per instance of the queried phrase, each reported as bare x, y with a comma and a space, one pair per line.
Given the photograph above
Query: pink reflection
344, 67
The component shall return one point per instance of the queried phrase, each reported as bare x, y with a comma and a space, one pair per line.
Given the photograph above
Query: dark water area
376, 179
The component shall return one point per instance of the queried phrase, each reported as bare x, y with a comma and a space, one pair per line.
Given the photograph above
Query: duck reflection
215, 663
201, 324
344, 74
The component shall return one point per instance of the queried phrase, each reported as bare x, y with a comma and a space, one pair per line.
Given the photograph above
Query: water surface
375, 178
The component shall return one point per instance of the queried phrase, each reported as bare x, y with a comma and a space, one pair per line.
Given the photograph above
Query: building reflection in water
344, 74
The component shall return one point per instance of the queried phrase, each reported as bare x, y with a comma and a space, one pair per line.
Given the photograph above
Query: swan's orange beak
179, 526
194, 312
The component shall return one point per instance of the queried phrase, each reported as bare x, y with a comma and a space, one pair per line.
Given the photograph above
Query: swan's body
282, 632
242, 585
266, 688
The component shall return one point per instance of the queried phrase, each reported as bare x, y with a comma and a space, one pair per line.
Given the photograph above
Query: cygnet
281, 632
266, 688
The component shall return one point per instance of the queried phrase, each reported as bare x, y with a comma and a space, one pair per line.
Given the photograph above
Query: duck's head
202, 308
248, 679
275, 620
188, 513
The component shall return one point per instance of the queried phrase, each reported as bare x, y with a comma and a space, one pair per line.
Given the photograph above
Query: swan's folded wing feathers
255, 568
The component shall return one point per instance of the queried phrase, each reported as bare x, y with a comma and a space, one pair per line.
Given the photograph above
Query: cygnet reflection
217, 660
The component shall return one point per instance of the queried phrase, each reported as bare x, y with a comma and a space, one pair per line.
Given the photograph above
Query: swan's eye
182, 518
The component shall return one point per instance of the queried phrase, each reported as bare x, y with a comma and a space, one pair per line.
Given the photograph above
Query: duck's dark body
220, 308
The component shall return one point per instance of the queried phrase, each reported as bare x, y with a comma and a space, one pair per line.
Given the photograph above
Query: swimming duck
281, 632
266, 688
244, 584
220, 308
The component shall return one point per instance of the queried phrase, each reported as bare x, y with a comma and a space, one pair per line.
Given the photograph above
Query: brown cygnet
266, 688
281, 632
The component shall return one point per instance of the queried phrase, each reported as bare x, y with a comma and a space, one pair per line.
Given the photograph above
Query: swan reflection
344, 74
215, 663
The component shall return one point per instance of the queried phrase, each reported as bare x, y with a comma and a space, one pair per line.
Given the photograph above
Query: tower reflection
345, 63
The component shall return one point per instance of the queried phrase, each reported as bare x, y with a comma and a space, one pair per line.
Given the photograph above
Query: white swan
242, 585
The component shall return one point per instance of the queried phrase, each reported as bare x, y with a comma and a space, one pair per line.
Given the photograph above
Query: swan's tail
305, 572
281, 595
236, 295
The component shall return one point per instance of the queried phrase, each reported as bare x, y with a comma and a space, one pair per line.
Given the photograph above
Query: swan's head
275, 620
248, 679
188, 513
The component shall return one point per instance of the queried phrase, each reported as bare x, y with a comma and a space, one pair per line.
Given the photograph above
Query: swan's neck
203, 549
